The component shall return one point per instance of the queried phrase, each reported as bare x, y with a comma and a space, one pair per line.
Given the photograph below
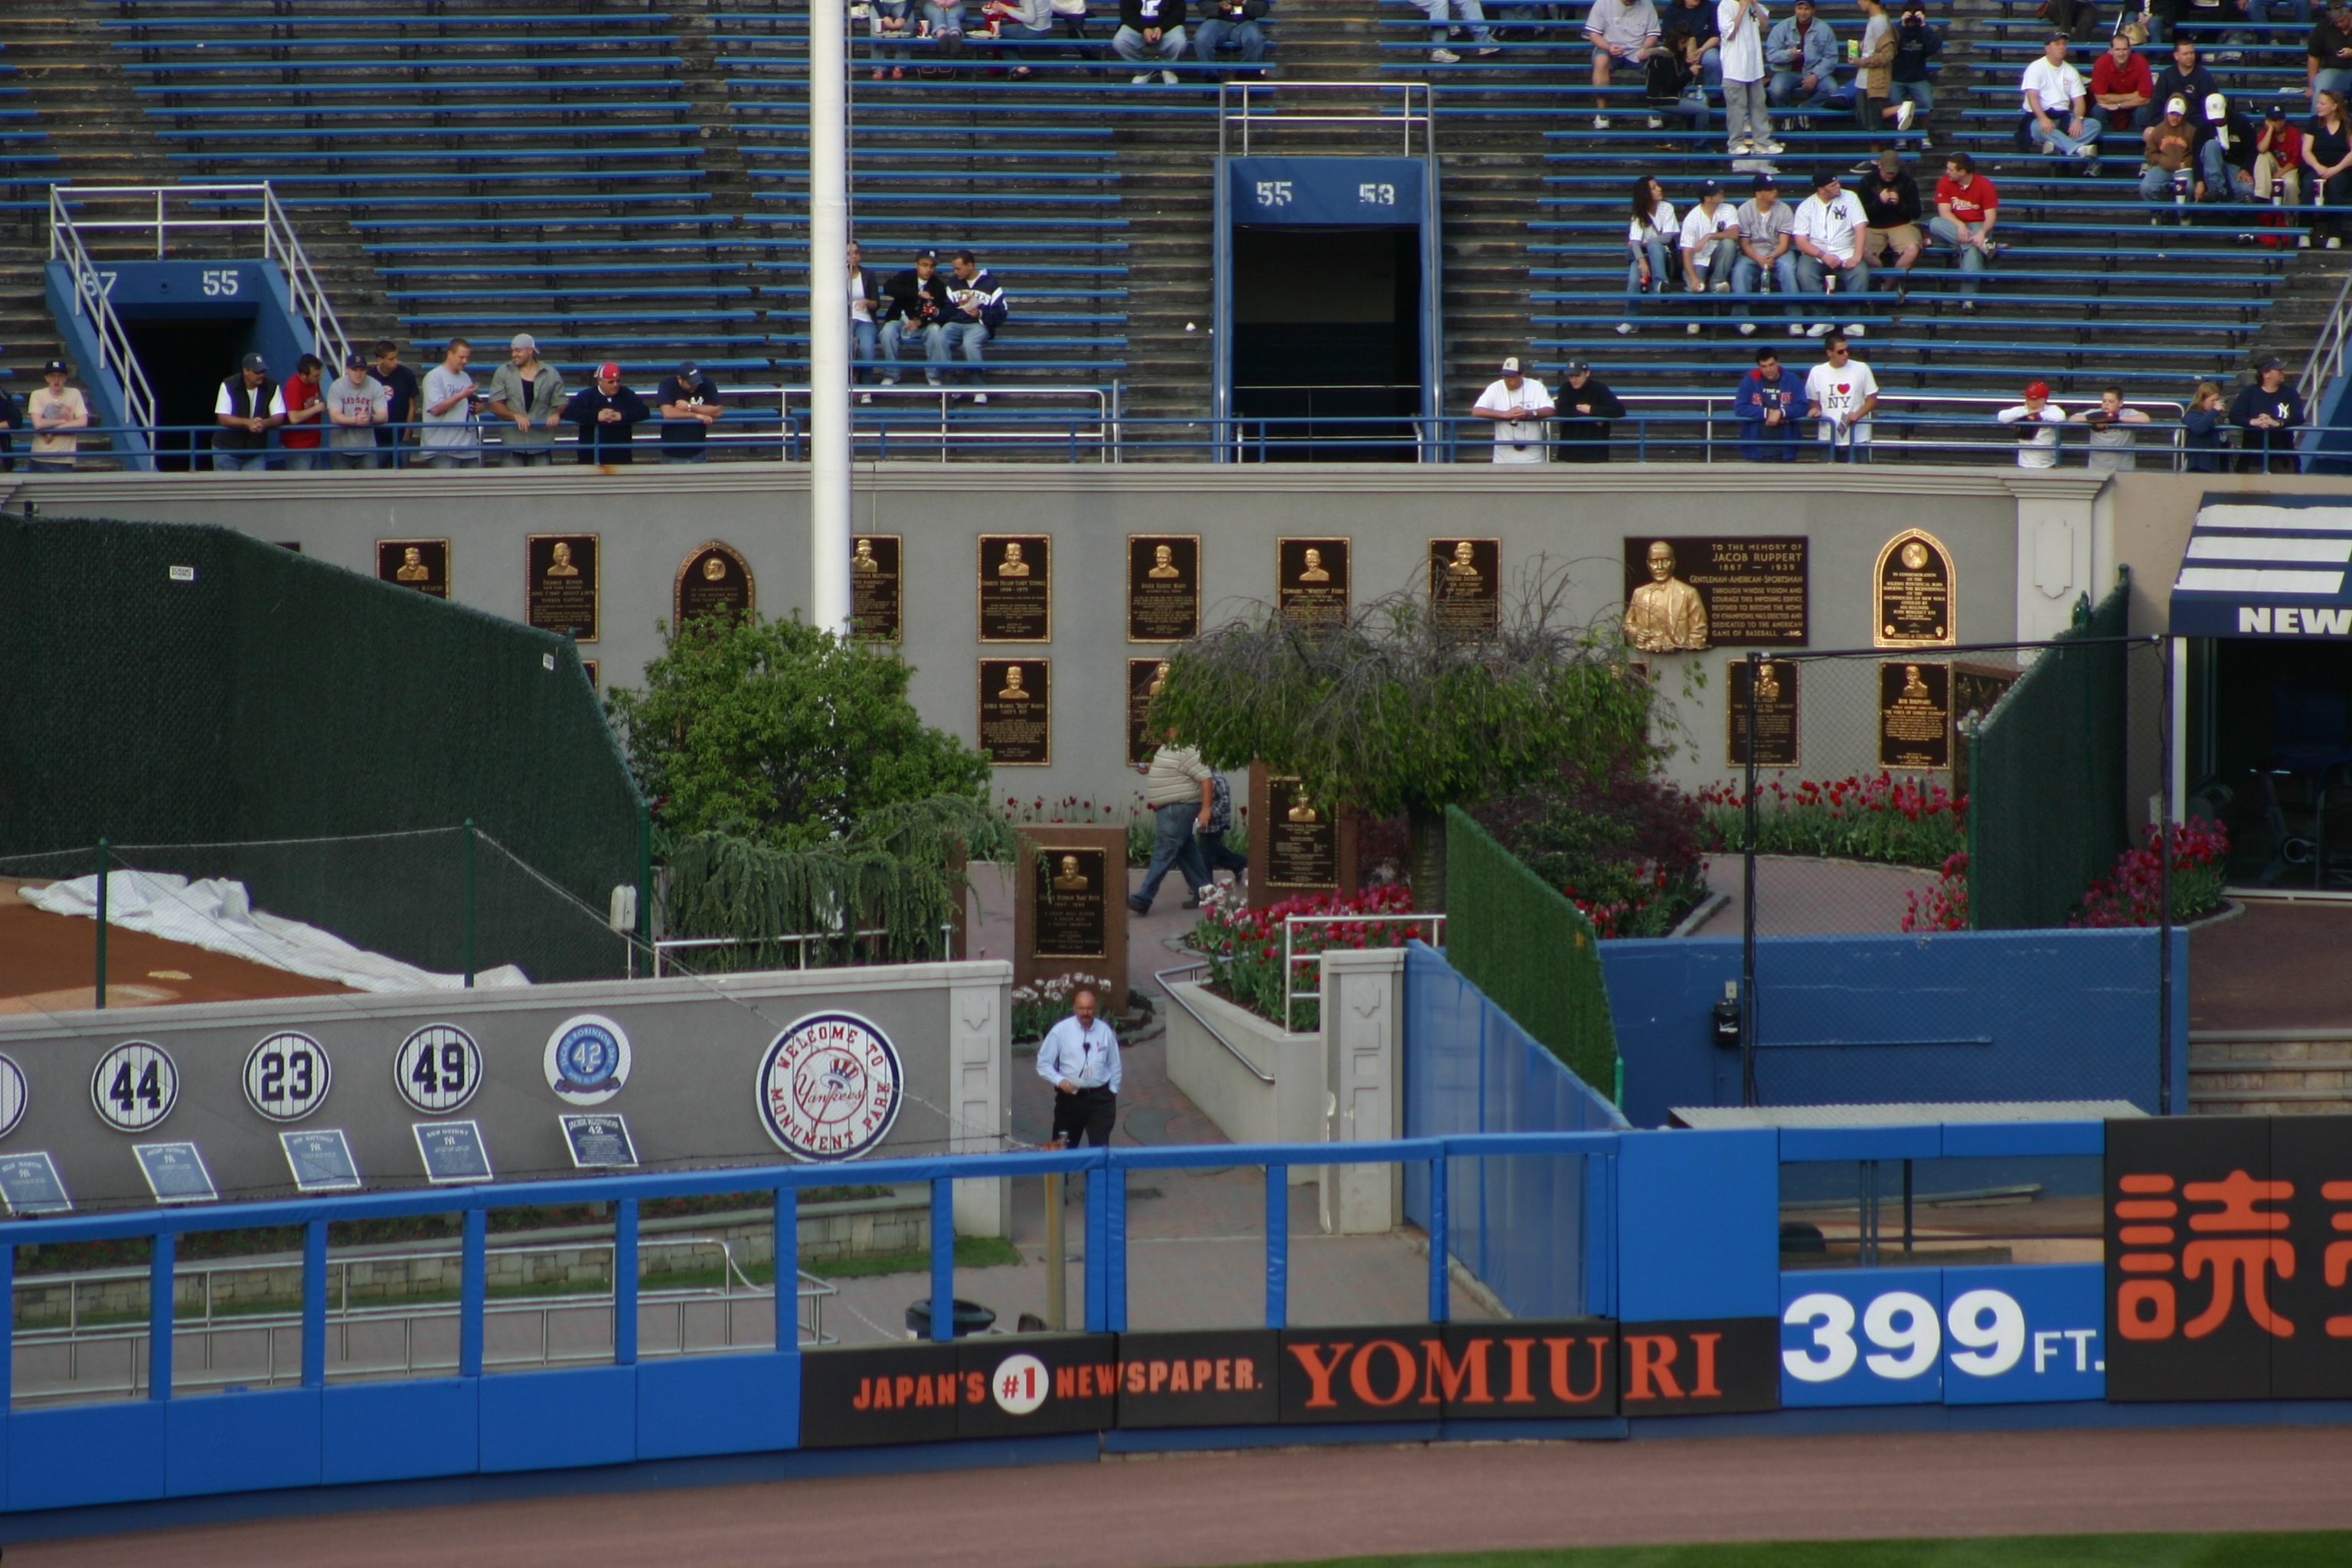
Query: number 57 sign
2018, 1334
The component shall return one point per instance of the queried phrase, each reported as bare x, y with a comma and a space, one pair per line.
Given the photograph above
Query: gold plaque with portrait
1163, 587
419, 563
1072, 892
1312, 580
1774, 711
1916, 593
1684, 594
1143, 679
714, 580
1302, 837
874, 587
560, 585
1016, 711
1915, 716
1016, 587
1466, 587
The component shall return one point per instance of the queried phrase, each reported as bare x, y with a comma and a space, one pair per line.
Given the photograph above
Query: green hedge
1528, 948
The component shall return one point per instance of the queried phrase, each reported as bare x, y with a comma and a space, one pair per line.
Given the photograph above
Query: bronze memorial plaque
1163, 587
1916, 590
1016, 711
1073, 919
1311, 582
1915, 716
1466, 585
713, 579
1016, 587
874, 587
1143, 679
419, 563
1714, 593
1302, 837
560, 595
1776, 712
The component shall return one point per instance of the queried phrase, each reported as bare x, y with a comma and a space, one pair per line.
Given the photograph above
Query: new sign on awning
2267, 569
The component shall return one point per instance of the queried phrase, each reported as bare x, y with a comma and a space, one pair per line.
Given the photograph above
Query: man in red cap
608, 414
2037, 441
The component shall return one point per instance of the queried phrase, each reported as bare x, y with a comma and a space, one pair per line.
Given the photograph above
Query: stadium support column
828, 143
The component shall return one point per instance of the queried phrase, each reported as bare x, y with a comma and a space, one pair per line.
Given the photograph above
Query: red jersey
2134, 78
300, 391
1969, 205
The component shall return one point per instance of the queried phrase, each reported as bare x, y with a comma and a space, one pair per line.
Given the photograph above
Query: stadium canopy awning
2267, 568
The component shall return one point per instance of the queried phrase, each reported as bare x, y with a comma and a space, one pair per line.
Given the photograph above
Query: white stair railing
90, 299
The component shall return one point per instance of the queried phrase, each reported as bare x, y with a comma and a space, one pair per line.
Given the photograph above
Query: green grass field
2318, 1549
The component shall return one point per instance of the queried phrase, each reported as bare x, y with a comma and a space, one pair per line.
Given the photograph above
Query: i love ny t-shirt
1841, 390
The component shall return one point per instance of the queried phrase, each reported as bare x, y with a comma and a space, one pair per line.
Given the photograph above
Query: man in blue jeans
1180, 788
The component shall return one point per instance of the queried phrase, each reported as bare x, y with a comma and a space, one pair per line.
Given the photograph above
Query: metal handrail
91, 293
800, 940
2326, 361
1103, 438
1244, 91
1176, 996
1290, 960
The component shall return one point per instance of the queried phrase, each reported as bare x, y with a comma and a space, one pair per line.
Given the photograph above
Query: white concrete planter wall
1240, 1101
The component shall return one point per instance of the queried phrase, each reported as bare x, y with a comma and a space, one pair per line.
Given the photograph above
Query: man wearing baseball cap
2037, 443
1587, 409
2267, 414
56, 411
608, 414
689, 407
2169, 149
1519, 406
527, 394
241, 411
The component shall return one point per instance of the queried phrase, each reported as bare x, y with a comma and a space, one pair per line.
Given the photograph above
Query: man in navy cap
242, 411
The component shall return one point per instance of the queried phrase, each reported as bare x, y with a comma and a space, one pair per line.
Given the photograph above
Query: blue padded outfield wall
1944, 1017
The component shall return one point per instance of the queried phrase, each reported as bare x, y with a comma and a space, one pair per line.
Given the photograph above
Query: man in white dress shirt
1079, 1056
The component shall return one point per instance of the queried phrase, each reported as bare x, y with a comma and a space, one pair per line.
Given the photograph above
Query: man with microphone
1079, 1056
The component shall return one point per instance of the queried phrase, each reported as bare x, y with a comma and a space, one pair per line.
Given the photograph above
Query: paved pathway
1800, 897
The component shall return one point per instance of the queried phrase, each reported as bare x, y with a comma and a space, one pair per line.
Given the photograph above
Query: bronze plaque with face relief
1143, 679
1751, 591
1016, 587
1915, 716
1016, 711
1072, 890
1916, 593
1312, 580
419, 563
714, 580
1302, 837
560, 588
1163, 587
1775, 712
1466, 587
874, 587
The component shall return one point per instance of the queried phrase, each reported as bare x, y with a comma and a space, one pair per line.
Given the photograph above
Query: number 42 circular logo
135, 1085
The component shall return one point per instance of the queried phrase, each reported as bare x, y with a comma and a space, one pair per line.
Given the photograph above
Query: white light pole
828, 232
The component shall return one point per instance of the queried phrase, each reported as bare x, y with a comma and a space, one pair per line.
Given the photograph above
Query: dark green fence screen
1531, 952
246, 712
2047, 813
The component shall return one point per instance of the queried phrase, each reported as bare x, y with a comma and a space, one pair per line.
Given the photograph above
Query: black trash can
971, 1318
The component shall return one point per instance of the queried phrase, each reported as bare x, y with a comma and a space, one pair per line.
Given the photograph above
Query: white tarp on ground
218, 917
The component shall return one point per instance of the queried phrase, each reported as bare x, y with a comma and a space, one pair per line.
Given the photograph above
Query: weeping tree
798, 793
1392, 710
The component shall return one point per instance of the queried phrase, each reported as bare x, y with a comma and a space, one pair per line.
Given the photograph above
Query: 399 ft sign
1993, 1335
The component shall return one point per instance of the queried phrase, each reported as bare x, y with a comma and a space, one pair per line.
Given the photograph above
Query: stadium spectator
2327, 153
1966, 206
1623, 34
890, 26
56, 411
2327, 53
1765, 407
864, 336
1182, 791
2054, 100
914, 305
1070, 17
1766, 252
1841, 393
2121, 84
1890, 202
1828, 236
2278, 159
2168, 149
300, 410
2226, 157
241, 411
1746, 106
2203, 425
1709, 245
976, 310
1650, 235
1691, 34
450, 440
2037, 443
2185, 79
1236, 21
1519, 406
2075, 18
2267, 414
608, 414
1019, 23
1874, 78
1442, 14
401, 389
690, 406
527, 393
1149, 30
1916, 45
1587, 408
2111, 439
356, 404
1802, 51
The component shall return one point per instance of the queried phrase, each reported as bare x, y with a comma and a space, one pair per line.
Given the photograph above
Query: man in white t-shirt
2037, 442
1747, 113
1828, 236
449, 439
1710, 243
2054, 100
1519, 406
1840, 395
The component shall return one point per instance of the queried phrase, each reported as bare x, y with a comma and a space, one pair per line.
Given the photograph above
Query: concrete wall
689, 1100
1246, 1108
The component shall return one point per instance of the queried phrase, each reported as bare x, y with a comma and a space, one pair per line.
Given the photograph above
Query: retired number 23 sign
829, 1088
